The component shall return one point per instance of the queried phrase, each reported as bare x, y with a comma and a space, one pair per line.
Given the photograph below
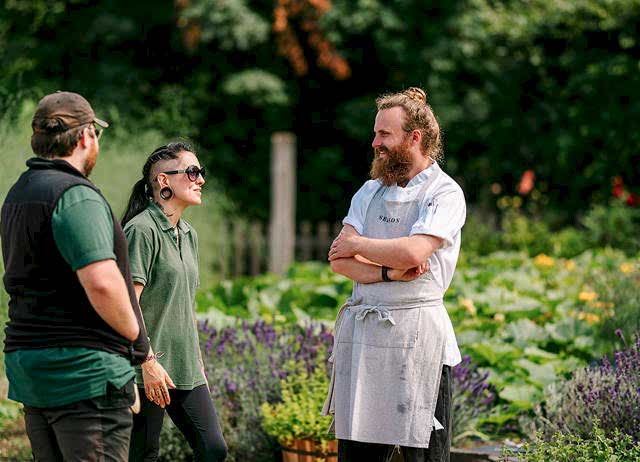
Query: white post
282, 229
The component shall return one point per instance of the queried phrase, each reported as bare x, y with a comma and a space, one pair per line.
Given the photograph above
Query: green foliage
259, 87
524, 234
545, 85
614, 225
9, 411
570, 448
309, 291
173, 447
519, 231
569, 242
479, 237
297, 415
229, 24
619, 299
529, 321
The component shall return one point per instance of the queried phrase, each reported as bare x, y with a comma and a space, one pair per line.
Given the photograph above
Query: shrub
245, 364
479, 236
569, 242
473, 399
608, 393
619, 301
524, 234
615, 225
596, 446
297, 415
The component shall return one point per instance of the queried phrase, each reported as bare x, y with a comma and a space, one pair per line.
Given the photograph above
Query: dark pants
439, 444
192, 412
97, 429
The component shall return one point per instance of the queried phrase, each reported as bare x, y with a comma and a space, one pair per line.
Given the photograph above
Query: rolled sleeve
442, 216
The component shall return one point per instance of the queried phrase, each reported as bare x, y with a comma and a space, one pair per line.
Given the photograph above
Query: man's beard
395, 167
90, 161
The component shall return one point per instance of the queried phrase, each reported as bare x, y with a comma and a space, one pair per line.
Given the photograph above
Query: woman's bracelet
155, 356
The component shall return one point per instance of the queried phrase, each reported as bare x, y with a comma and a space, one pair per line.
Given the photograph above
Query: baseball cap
68, 109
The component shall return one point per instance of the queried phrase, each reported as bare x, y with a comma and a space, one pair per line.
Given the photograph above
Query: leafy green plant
569, 242
618, 301
309, 291
524, 234
297, 416
608, 393
615, 225
571, 448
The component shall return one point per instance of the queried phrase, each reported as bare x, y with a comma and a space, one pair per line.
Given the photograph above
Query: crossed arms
360, 258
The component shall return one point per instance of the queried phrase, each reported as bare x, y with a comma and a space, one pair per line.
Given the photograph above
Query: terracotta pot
309, 451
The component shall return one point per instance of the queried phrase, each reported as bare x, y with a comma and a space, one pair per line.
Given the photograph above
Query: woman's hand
156, 381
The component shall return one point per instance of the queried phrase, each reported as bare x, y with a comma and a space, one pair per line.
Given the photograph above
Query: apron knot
383, 314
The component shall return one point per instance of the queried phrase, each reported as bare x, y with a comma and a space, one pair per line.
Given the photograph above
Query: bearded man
394, 342
75, 328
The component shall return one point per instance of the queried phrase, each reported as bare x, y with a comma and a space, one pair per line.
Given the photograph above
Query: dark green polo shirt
168, 269
49, 377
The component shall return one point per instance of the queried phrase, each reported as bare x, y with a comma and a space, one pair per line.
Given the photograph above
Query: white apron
389, 346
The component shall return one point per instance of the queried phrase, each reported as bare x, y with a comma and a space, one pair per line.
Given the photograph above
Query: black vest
48, 307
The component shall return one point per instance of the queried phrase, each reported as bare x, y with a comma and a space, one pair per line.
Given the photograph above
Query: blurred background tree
550, 86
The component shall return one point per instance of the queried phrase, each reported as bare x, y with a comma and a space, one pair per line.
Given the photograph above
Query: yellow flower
587, 296
571, 265
468, 305
592, 318
627, 268
544, 261
499, 317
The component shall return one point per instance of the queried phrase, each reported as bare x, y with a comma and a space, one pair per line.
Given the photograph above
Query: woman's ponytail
138, 201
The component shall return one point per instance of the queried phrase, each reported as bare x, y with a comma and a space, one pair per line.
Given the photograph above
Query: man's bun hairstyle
416, 94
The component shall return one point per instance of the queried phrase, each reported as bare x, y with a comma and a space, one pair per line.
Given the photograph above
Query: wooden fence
242, 248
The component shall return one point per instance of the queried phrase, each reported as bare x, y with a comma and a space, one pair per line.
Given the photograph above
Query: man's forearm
399, 253
358, 271
107, 292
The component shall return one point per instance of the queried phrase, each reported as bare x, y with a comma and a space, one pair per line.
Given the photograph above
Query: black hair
142, 190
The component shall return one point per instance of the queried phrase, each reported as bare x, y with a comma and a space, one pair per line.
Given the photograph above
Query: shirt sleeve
359, 205
83, 227
141, 254
442, 216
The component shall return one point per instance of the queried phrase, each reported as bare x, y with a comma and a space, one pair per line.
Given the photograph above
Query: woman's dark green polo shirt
169, 273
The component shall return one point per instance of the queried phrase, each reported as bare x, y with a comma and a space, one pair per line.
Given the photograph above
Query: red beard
395, 167
90, 161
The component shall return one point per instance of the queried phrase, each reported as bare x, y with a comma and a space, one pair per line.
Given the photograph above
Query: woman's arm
154, 376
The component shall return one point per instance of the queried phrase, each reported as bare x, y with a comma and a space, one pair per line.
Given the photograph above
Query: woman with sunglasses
163, 250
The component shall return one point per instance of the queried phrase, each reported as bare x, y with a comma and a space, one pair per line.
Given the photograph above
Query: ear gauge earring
166, 193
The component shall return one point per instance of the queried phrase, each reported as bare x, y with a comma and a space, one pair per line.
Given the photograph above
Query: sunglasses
192, 172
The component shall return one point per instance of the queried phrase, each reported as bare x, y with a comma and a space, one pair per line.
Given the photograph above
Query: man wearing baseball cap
75, 327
